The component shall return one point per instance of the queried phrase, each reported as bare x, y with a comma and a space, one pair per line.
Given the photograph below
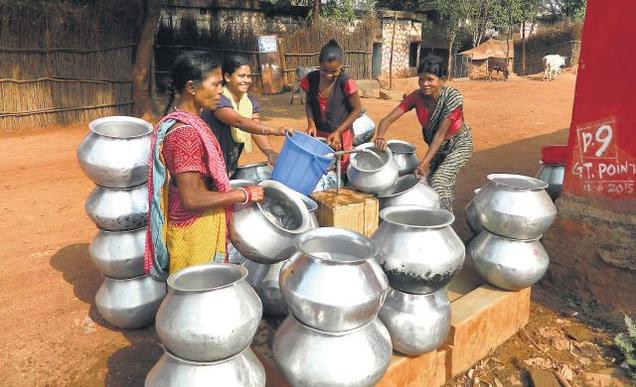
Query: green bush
626, 342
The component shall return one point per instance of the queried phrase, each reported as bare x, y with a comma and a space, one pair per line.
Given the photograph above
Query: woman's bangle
247, 195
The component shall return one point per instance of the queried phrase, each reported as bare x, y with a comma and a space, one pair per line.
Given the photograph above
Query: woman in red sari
189, 194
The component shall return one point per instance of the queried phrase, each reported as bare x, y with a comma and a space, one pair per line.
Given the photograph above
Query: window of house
413, 54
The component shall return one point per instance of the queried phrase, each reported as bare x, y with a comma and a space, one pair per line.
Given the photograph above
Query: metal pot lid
517, 182
121, 127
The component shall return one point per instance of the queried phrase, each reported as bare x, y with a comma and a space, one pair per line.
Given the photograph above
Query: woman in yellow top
236, 119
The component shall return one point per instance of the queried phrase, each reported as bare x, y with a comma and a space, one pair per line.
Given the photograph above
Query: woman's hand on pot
422, 169
379, 143
334, 141
311, 130
256, 193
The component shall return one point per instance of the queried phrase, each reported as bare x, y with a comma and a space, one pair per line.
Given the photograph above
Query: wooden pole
141, 93
523, 48
391, 56
283, 62
315, 12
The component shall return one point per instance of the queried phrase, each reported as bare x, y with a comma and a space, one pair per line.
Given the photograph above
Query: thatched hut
490, 56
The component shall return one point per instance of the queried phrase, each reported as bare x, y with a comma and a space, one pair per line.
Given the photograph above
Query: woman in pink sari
189, 194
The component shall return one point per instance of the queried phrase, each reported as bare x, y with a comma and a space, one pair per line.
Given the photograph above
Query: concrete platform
483, 317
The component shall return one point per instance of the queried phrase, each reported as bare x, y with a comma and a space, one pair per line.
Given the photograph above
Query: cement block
482, 320
429, 369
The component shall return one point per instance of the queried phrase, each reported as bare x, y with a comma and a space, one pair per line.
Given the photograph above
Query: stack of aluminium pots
263, 236
206, 324
114, 155
420, 254
510, 214
334, 289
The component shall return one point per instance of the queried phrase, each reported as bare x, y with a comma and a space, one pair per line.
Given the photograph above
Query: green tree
566, 9
455, 14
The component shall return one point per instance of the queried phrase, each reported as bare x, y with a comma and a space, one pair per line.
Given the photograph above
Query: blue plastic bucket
300, 165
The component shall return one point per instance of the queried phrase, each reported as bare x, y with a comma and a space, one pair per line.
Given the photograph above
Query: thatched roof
491, 49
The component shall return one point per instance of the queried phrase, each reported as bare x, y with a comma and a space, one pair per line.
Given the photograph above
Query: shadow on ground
127, 366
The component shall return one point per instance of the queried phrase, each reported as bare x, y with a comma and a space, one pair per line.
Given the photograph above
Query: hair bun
333, 42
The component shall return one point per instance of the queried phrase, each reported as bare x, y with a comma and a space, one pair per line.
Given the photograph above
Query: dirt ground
52, 333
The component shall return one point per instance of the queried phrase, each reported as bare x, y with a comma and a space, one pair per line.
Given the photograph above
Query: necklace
327, 90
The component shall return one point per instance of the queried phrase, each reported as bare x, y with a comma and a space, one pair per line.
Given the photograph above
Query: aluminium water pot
409, 190
373, 171
515, 206
257, 172
118, 209
115, 152
472, 217
119, 254
210, 312
264, 232
333, 282
130, 303
264, 279
241, 370
510, 264
404, 156
552, 174
419, 250
418, 323
309, 357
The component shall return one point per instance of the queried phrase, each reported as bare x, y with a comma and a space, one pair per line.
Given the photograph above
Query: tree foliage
566, 9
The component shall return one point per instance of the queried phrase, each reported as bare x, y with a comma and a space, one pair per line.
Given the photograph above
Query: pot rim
127, 279
533, 183
131, 188
352, 162
293, 196
401, 142
403, 294
386, 212
325, 231
253, 165
92, 126
309, 202
102, 231
174, 276
410, 176
168, 353
332, 333
496, 236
